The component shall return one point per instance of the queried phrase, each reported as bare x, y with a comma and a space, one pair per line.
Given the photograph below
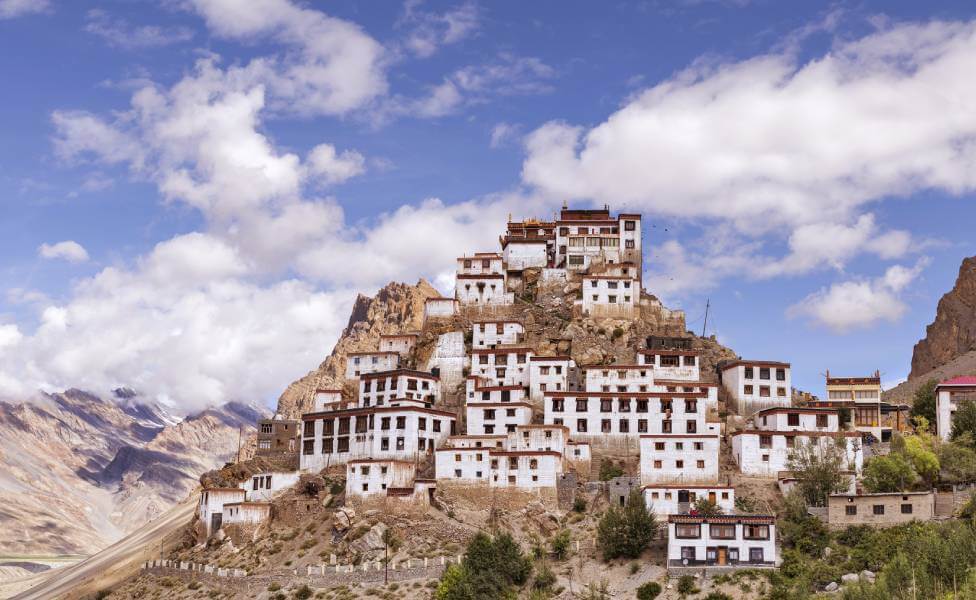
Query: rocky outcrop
396, 308
953, 332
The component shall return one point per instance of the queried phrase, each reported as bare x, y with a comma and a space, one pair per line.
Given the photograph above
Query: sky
193, 192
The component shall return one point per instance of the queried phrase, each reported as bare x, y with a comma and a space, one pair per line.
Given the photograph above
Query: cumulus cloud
121, 34
10, 9
324, 162
428, 31
857, 304
783, 149
333, 67
503, 133
68, 250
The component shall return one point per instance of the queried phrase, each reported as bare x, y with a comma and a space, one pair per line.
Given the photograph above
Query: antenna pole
708, 303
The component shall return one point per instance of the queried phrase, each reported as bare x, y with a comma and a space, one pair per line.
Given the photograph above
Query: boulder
372, 540
832, 587
868, 575
343, 519
849, 578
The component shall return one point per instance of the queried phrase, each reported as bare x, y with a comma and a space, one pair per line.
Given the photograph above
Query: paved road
114, 563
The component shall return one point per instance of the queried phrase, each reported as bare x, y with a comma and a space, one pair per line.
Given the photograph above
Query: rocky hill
953, 332
80, 471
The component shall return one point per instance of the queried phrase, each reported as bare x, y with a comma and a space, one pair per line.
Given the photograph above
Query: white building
449, 359
618, 378
524, 470
680, 365
502, 366
246, 513
362, 363
493, 333
602, 416
585, 237
264, 486
948, 394
480, 389
671, 458
326, 399
489, 418
668, 499
764, 449
210, 510
401, 343
384, 432
382, 388
525, 252
754, 385
480, 280
440, 308
550, 374
722, 541
482, 263
367, 478
610, 296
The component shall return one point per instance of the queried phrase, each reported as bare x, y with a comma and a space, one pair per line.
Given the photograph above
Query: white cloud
859, 304
68, 250
10, 9
334, 66
9, 336
429, 31
503, 133
323, 161
119, 33
781, 149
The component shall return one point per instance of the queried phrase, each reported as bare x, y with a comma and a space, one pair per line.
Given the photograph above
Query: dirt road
112, 564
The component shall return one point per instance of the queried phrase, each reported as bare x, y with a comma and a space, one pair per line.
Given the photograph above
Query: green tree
923, 459
609, 470
964, 421
801, 530
924, 403
628, 531
819, 471
891, 473
560, 544
957, 460
492, 568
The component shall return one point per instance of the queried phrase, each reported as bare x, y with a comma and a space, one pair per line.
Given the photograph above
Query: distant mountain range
81, 471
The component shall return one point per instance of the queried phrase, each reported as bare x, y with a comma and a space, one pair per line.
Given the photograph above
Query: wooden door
722, 555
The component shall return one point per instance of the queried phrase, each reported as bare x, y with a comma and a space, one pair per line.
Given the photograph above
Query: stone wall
480, 497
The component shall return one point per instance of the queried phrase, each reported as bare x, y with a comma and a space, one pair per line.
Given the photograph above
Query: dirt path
112, 564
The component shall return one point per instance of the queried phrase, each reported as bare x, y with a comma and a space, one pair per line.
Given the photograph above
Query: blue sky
194, 191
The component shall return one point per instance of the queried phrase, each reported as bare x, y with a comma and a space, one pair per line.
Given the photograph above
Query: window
437, 425
581, 405
327, 446
666, 426
557, 404
605, 426
606, 405
623, 426
687, 531
793, 419
701, 464
723, 531
385, 423
629, 244
747, 390
688, 553
691, 406
765, 441
669, 361
581, 425
691, 426
755, 555
878, 509
699, 446
629, 225
623, 405
308, 447
401, 422
657, 464
679, 464
906, 509
659, 446
641, 425
764, 373
764, 391
780, 374
343, 445
781, 392
309, 428
850, 510
755, 532
748, 373
821, 420
642, 406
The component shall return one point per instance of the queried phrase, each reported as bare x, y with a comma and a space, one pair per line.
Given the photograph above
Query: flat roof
754, 363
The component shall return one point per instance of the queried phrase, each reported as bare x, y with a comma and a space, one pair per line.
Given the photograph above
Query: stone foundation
482, 497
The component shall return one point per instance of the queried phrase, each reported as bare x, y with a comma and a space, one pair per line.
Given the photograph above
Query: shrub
617, 333
649, 591
560, 544
686, 585
718, 596
626, 532
634, 567
544, 578
490, 569
609, 470
579, 504
303, 593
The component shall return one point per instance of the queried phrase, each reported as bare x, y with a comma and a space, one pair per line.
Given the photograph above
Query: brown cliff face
396, 308
953, 333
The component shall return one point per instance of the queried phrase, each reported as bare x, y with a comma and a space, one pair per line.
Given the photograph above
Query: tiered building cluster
484, 412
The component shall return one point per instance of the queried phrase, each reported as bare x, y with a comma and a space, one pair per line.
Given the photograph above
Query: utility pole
708, 303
